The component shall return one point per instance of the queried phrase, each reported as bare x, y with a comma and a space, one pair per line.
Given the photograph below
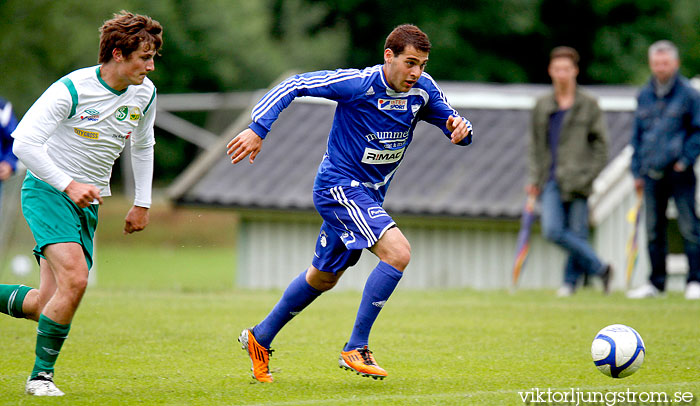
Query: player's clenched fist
83, 195
460, 128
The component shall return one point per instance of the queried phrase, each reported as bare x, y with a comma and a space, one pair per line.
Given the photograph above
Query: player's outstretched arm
83, 195
459, 127
247, 142
136, 219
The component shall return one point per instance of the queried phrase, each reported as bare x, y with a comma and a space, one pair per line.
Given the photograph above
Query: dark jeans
680, 186
566, 224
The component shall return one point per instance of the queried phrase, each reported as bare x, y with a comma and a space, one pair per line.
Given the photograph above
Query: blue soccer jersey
373, 124
8, 123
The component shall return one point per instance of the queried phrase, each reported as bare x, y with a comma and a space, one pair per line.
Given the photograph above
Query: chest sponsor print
93, 135
392, 104
377, 156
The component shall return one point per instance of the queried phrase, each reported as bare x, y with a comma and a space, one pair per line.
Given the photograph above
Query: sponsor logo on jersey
135, 114
93, 135
377, 156
389, 139
90, 115
122, 137
392, 104
122, 113
375, 212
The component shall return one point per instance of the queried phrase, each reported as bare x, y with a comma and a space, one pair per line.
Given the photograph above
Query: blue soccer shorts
352, 220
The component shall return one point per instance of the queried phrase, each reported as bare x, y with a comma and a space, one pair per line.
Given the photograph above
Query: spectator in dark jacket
568, 150
666, 142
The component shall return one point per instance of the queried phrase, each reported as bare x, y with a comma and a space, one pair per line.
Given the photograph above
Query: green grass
160, 327
446, 347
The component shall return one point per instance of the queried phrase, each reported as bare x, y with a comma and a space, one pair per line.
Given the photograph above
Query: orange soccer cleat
361, 361
259, 356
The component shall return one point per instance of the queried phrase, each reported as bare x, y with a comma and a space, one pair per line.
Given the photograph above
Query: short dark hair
405, 35
564, 52
127, 31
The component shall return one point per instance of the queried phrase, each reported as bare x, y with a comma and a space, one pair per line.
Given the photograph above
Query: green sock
49, 339
12, 298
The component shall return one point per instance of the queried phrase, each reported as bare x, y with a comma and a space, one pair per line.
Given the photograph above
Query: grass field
160, 328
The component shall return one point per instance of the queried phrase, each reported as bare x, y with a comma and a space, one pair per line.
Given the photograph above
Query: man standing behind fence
568, 150
666, 142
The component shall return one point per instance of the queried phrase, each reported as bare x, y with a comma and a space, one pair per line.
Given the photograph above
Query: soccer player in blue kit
378, 108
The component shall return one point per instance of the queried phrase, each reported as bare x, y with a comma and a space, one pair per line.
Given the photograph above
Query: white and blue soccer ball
618, 351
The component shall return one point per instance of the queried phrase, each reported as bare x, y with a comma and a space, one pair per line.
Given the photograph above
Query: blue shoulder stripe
73, 94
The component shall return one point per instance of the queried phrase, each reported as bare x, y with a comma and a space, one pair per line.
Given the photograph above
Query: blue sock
296, 297
379, 286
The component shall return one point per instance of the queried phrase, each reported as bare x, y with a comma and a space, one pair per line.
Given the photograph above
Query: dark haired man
568, 150
378, 108
69, 140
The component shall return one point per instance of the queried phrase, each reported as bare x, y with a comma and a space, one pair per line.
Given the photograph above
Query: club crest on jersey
415, 108
122, 113
392, 104
323, 239
378, 156
93, 135
135, 114
90, 115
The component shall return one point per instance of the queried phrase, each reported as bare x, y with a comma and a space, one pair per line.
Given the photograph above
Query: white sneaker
643, 292
43, 385
565, 290
692, 291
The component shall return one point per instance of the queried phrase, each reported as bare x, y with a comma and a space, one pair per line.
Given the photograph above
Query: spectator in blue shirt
666, 142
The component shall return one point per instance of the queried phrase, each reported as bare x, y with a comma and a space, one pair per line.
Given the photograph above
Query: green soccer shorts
54, 218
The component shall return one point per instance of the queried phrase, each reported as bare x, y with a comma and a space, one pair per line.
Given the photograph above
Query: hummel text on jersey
376, 156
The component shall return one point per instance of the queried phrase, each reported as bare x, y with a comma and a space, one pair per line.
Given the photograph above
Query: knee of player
322, 281
325, 285
76, 284
400, 256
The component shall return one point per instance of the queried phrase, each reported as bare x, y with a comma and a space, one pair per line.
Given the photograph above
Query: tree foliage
228, 45
209, 45
510, 40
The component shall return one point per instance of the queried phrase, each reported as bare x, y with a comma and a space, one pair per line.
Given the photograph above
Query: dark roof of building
485, 179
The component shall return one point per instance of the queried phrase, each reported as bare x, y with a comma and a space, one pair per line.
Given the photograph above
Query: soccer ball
618, 351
